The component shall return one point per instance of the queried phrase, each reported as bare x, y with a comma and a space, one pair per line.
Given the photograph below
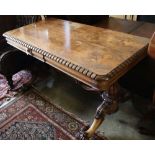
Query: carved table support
108, 106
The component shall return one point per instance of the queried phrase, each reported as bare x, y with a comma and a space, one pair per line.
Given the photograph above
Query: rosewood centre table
94, 56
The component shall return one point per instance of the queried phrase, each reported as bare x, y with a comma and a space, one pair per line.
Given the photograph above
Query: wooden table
94, 56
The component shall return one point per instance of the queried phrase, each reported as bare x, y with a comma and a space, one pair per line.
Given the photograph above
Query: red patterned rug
34, 117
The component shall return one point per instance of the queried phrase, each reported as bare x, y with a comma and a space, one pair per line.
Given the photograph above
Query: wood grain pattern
95, 56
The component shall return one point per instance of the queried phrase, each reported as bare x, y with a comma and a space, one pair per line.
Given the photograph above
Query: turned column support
109, 105
101, 111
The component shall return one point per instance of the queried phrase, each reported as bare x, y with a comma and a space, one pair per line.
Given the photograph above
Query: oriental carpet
34, 117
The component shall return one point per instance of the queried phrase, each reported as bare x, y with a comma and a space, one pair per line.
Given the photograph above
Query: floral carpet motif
32, 116
31, 131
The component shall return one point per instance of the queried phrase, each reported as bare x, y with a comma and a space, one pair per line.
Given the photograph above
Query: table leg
108, 106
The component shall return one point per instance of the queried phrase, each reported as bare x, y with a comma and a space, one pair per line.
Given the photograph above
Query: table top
90, 54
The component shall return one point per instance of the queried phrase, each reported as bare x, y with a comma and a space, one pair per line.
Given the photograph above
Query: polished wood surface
95, 56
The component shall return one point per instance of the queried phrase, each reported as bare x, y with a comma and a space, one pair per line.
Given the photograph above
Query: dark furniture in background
146, 18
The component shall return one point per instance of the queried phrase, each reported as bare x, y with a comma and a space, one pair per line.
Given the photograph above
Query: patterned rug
20, 79
34, 117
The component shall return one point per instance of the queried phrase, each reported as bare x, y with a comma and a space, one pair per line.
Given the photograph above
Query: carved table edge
103, 81
62, 61
124, 67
